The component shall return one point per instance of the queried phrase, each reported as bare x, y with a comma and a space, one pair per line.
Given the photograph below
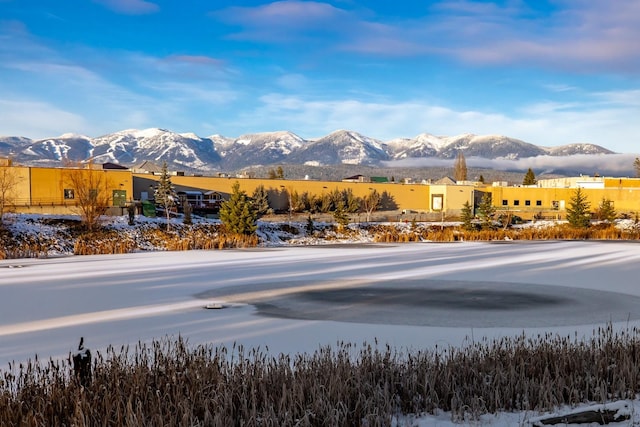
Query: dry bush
103, 242
168, 383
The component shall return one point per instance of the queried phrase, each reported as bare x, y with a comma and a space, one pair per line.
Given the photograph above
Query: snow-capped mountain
259, 149
572, 149
189, 152
341, 146
156, 145
423, 145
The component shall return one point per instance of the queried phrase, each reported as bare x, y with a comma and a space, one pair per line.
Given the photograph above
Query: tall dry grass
169, 383
393, 234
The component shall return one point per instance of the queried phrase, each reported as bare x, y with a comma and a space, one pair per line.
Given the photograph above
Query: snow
149, 133
71, 135
46, 305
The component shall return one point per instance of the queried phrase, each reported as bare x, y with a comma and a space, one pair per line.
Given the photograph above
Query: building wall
552, 202
453, 198
407, 197
19, 194
622, 183
41, 190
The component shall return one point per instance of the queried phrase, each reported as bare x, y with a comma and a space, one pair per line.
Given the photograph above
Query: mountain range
189, 152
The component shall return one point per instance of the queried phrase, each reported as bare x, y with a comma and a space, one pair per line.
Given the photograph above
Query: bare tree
8, 183
460, 167
90, 192
371, 202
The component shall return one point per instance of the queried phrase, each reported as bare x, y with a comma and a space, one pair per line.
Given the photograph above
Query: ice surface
46, 305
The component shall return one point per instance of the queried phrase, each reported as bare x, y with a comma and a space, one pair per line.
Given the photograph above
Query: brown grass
393, 234
168, 383
213, 236
103, 242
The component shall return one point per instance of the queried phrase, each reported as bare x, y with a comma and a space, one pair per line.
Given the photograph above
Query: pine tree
237, 214
486, 211
310, 226
606, 211
578, 214
165, 194
481, 179
460, 168
466, 216
529, 178
340, 215
260, 199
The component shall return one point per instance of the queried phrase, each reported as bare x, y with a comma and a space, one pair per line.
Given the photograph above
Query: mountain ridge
188, 151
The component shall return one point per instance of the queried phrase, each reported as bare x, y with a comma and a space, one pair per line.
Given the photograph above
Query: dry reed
434, 233
169, 383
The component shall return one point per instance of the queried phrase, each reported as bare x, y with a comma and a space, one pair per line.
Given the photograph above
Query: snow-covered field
296, 299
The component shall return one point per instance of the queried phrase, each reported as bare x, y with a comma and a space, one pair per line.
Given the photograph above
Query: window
516, 203
69, 194
437, 202
538, 202
505, 202
527, 202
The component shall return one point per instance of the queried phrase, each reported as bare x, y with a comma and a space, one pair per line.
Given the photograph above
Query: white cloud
40, 118
613, 127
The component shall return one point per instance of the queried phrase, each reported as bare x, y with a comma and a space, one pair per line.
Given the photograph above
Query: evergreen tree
164, 193
460, 167
340, 215
326, 203
237, 214
466, 216
351, 202
606, 210
481, 179
529, 178
310, 226
636, 166
486, 211
260, 199
578, 214
297, 202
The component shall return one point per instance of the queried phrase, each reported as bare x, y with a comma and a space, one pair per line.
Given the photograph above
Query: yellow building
550, 201
410, 198
52, 190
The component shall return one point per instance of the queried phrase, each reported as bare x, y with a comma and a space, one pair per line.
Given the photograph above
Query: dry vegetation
168, 383
68, 236
113, 241
390, 234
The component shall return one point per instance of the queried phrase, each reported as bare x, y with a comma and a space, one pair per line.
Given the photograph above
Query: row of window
517, 202
555, 204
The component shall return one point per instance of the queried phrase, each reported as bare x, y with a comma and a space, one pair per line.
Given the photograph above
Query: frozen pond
300, 298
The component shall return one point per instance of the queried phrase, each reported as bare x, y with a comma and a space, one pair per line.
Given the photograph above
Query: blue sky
550, 72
